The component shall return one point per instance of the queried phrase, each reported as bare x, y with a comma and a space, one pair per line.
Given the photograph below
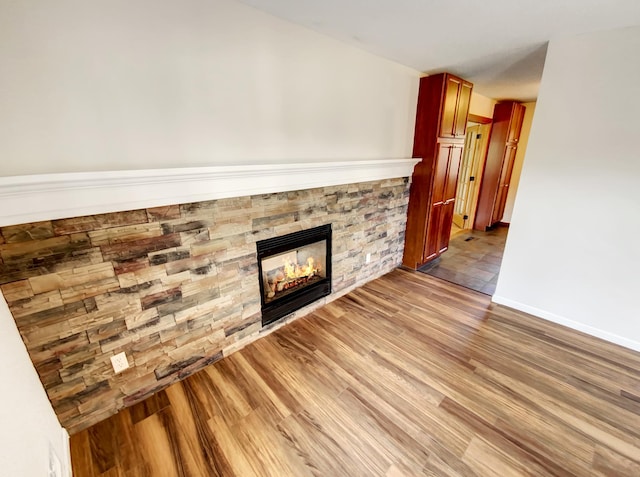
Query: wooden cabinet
443, 108
455, 107
441, 122
442, 200
496, 178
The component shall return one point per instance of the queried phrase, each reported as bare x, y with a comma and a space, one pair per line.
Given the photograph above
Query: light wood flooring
406, 376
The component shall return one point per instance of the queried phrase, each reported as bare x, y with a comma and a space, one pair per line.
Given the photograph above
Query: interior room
476, 247
215, 214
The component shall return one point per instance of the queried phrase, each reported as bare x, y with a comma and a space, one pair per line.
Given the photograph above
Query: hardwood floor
408, 375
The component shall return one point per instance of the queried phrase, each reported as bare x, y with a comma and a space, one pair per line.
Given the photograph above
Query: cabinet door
440, 173
503, 185
449, 107
432, 244
462, 109
448, 205
446, 219
453, 168
443, 199
515, 124
417, 216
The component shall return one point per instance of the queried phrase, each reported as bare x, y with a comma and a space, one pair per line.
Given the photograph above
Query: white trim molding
35, 198
561, 320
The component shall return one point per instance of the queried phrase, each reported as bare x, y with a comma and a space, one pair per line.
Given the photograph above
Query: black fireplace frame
285, 305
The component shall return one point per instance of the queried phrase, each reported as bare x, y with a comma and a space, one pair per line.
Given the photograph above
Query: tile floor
473, 260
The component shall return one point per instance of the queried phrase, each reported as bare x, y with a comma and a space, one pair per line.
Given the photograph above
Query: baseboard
560, 320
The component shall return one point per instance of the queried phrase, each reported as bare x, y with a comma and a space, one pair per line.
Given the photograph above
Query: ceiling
499, 45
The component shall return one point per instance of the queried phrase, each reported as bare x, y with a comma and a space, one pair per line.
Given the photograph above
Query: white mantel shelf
34, 198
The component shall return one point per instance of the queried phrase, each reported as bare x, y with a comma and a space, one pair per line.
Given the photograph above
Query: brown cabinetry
442, 200
496, 178
455, 109
441, 122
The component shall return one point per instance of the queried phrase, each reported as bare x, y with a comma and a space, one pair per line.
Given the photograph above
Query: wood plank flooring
407, 376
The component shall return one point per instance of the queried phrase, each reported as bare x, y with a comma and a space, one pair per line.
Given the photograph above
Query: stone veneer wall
175, 287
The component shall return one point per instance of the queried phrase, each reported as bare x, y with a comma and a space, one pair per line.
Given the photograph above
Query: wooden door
431, 246
448, 205
455, 107
453, 168
505, 131
440, 172
444, 231
449, 107
418, 215
503, 185
515, 124
467, 180
443, 199
462, 109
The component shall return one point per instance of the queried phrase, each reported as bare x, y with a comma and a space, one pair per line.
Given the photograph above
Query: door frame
481, 120
474, 118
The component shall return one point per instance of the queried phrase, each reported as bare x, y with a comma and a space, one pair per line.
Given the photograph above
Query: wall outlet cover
119, 362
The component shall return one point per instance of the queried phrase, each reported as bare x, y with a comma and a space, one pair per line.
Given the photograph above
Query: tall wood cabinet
501, 154
441, 124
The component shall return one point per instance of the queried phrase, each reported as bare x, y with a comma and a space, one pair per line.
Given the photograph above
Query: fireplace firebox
294, 270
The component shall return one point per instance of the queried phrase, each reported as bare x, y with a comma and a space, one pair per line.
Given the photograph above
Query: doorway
471, 166
472, 260
474, 257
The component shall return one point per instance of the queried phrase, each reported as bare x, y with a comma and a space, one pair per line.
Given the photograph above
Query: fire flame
293, 270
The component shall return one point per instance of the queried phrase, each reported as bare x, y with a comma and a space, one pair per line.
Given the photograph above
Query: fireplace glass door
295, 270
287, 272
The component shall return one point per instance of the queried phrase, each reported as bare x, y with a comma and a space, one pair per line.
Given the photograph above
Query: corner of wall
66, 458
30, 428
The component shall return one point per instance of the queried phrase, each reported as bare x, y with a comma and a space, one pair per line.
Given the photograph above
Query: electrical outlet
368, 258
119, 362
55, 467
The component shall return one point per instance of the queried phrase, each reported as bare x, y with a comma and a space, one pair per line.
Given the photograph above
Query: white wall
115, 84
519, 161
29, 424
481, 105
572, 254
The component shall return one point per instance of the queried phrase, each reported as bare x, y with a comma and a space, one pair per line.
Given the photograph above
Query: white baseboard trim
35, 198
575, 325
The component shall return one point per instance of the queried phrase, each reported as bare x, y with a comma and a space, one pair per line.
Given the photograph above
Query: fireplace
294, 270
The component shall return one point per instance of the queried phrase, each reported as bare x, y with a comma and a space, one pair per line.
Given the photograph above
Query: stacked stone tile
175, 288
